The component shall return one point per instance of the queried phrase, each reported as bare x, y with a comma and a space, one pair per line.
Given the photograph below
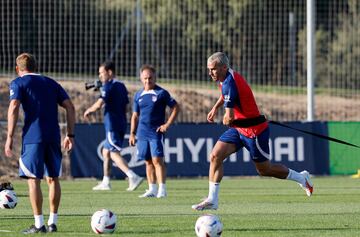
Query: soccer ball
208, 226
103, 222
8, 199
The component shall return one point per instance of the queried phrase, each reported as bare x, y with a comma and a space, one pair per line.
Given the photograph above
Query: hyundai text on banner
187, 148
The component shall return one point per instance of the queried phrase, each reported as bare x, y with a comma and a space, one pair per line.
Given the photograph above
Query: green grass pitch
248, 207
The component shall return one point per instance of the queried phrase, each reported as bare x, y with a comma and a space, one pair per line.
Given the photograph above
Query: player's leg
151, 179
279, 171
31, 167
219, 153
157, 154
114, 143
105, 183
160, 171
259, 151
228, 143
52, 161
143, 152
54, 202
36, 200
121, 163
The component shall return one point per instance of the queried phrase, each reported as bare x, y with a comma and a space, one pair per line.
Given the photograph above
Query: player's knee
214, 158
51, 180
158, 162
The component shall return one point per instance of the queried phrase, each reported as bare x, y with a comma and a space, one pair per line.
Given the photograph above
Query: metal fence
265, 41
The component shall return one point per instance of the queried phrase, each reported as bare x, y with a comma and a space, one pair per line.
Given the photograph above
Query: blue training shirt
39, 96
115, 96
151, 106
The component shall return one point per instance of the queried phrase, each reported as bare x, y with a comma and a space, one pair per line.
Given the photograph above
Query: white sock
296, 176
106, 180
52, 218
39, 220
153, 188
213, 192
130, 174
162, 187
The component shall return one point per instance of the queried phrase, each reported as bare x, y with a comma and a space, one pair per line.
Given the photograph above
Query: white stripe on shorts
261, 151
112, 142
25, 170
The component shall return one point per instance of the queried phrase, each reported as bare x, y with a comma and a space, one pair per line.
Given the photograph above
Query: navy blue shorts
40, 159
146, 149
114, 141
257, 146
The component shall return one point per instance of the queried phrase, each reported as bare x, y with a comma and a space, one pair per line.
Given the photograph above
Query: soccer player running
114, 97
41, 150
148, 124
251, 131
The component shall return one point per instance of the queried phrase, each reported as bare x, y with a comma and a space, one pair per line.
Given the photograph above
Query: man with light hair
247, 128
149, 125
41, 150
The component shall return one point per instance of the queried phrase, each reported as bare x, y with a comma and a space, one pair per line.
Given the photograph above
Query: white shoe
161, 194
134, 183
308, 187
148, 194
101, 186
205, 205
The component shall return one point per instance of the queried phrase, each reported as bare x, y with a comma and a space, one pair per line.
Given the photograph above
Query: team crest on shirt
154, 98
227, 98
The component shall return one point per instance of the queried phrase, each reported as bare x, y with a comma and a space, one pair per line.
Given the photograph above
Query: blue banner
187, 148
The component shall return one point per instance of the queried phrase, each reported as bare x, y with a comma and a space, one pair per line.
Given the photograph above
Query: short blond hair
26, 62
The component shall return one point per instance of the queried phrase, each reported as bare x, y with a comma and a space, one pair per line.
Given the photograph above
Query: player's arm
174, 112
211, 115
96, 106
230, 96
70, 119
133, 126
228, 116
13, 115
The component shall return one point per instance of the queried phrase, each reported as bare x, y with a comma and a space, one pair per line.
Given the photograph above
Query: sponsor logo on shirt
11, 92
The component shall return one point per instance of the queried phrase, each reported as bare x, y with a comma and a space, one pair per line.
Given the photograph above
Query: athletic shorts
114, 141
146, 149
257, 146
40, 159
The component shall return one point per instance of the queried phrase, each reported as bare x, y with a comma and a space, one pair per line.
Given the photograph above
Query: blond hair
26, 62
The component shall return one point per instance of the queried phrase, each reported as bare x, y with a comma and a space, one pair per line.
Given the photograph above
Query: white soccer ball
103, 222
8, 199
208, 226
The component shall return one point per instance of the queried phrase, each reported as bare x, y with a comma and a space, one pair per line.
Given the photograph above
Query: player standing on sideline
41, 149
148, 124
114, 97
251, 131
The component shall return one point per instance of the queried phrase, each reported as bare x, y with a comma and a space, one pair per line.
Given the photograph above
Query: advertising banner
187, 148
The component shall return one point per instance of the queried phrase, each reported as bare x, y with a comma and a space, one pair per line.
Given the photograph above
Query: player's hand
68, 143
8, 147
227, 120
132, 140
211, 115
163, 128
87, 114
